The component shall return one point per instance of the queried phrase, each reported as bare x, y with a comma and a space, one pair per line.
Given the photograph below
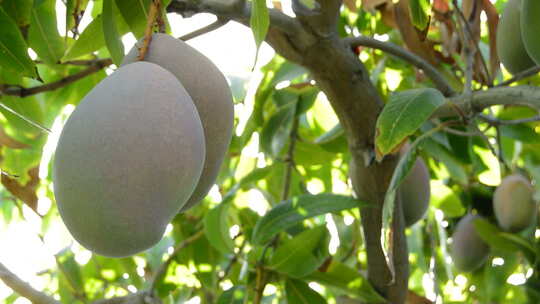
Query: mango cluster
515, 210
518, 42
146, 143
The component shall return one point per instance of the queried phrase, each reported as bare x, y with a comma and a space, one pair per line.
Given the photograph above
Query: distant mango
513, 203
468, 250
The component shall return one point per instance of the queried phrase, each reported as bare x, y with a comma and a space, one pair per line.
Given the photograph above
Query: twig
501, 151
438, 79
521, 75
24, 289
23, 92
470, 36
158, 275
460, 133
232, 261
290, 160
211, 27
153, 16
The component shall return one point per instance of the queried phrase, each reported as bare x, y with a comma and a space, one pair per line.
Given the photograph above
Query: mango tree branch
24, 289
23, 92
211, 27
345, 81
521, 75
438, 79
524, 95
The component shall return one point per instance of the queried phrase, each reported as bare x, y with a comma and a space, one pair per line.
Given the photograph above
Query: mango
510, 45
127, 159
210, 92
513, 203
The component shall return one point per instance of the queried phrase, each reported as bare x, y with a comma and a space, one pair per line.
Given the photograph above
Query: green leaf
43, 35
13, 48
455, 167
504, 241
217, 229
90, 40
18, 10
418, 13
251, 178
308, 154
299, 292
347, 279
234, 295
403, 115
135, 13
112, 37
293, 211
259, 21
299, 261
276, 131
70, 269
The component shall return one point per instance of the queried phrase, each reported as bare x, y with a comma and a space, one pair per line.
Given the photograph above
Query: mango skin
121, 157
415, 193
510, 45
468, 250
513, 203
530, 28
211, 94
415, 190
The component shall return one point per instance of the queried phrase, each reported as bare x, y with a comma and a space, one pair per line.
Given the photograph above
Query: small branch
75, 62
24, 289
290, 160
438, 79
139, 297
519, 76
459, 132
469, 34
23, 92
153, 15
232, 261
204, 30
162, 270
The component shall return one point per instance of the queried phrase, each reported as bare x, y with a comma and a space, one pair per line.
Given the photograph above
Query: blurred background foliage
288, 150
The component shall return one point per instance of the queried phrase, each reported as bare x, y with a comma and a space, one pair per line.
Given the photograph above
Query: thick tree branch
23, 92
322, 18
528, 96
346, 83
238, 10
438, 79
24, 289
286, 34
